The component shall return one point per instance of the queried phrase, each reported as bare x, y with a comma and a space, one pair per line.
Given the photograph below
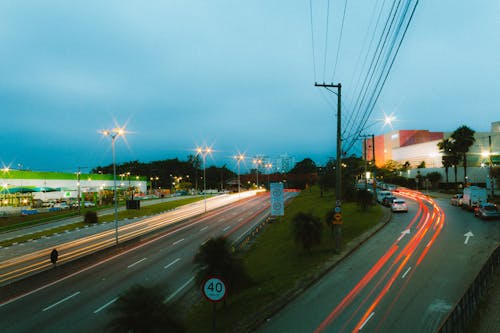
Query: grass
144, 211
278, 265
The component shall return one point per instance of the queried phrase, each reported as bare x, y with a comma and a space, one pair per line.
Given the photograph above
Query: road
405, 278
79, 303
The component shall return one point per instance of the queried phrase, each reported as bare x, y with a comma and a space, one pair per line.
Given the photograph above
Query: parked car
456, 200
387, 201
399, 205
487, 211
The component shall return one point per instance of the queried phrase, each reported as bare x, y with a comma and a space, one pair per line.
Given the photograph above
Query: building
417, 146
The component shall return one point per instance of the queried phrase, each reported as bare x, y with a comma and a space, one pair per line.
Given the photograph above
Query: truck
473, 196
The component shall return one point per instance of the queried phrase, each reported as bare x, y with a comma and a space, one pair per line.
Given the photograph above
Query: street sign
338, 209
214, 289
337, 218
277, 199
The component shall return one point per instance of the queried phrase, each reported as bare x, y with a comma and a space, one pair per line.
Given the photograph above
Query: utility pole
337, 223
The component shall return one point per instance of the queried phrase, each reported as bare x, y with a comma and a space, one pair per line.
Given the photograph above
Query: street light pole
113, 134
239, 158
204, 151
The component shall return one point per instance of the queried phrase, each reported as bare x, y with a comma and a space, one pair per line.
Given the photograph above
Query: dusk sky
236, 75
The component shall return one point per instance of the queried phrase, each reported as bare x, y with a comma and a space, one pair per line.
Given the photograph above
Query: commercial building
420, 147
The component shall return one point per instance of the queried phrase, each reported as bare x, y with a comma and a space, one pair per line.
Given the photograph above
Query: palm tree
142, 309
445, 147
215, 258
307, 230
463, 139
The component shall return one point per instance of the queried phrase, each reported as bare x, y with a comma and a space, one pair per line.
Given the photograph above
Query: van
382, 194
473, 196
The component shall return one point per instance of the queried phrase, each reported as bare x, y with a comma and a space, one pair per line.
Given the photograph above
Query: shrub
90, 217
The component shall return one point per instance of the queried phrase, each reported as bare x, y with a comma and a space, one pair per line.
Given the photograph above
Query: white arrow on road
404, 233
467, 236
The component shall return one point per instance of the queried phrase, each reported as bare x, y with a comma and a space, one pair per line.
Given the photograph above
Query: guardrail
466, 307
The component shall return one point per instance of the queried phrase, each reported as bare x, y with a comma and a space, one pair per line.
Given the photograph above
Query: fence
466, 307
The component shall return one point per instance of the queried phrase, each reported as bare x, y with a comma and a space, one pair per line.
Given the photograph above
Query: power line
340, 41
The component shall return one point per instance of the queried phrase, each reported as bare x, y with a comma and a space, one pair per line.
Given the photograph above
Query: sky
237, 76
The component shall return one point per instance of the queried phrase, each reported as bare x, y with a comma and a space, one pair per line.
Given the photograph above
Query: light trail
37, 261
397, 259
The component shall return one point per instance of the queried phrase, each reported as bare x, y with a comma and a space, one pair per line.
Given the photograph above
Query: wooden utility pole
337, 223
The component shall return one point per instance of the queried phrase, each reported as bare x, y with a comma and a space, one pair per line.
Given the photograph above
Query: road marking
177, 242
61, 301
173, 262
407, 271
106, 305
180, 289
364, 323
226, 228
137, 262
240, 219
204, 228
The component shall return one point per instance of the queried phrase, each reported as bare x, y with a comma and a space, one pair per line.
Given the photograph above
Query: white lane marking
177, 242
240, 219
204, 228
172, 263
226, 228
364, 323
63, 300
180, 289
205, 242
137, 262
106, 305
407, 271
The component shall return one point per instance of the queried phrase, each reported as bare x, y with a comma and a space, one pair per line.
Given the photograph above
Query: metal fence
466, 307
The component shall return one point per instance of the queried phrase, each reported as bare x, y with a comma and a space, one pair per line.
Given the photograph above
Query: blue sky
238, 76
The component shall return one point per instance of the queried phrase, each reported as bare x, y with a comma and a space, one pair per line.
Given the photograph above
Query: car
88, 204
487, 211
399, 205
456, 200
388, 200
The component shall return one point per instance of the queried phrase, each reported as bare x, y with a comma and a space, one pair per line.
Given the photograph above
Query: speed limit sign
214, 289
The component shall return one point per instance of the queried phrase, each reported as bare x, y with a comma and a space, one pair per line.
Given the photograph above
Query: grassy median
279, 266
127, 214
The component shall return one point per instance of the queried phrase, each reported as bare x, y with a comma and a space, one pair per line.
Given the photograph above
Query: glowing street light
268, 167
257, 162
203, 151
239, 158
113, 134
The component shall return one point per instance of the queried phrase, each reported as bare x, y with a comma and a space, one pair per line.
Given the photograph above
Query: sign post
277, 199
214, 290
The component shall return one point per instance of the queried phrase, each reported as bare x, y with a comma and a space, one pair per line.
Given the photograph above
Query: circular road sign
338, 209
214, 289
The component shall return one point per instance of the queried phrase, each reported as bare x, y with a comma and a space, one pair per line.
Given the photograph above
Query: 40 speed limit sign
214, 289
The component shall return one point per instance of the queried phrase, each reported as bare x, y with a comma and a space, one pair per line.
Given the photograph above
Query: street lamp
257, 162
113, 134
239, 158
203, 151
268, 167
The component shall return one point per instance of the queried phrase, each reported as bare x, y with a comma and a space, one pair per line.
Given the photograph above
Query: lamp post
257, 161
239, 158
113, 134
268, 167
203, 151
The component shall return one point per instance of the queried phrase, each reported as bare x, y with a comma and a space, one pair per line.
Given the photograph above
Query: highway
405, 278
79, 302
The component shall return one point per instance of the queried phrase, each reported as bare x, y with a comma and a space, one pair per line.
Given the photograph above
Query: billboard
277, 199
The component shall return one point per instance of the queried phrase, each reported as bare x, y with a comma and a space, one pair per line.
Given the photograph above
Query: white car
399, 205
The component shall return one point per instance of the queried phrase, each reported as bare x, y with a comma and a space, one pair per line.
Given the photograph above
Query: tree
364, 198
421, 165
463, 139
445, 146
142, 309
90, 217
215, 258
307, 230
305, 166
434, 177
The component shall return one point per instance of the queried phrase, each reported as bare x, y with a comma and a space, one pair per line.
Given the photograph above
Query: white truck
473, 196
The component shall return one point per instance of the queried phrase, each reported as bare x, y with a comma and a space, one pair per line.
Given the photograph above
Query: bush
90, 217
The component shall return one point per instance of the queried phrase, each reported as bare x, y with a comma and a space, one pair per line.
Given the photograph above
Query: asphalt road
397, 281
79, 303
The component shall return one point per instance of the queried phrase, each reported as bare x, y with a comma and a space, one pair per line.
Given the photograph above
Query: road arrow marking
404, 233
467, 236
